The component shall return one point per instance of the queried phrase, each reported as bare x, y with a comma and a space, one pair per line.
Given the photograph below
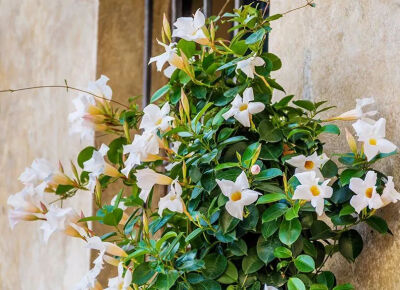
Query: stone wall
340, 51
41, 42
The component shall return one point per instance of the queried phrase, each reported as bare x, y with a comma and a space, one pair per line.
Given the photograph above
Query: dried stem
64, 87
223, 7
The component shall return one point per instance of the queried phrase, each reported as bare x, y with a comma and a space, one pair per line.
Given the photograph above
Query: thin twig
64, 87
266, 7
309, 2
223, 7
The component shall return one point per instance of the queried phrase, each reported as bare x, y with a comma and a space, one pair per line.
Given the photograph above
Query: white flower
147, 178
58, 219
310, 190
373, 138
161, 59
365, 191
25, 205
390, 194
89, 280
255, 169
155, 118
100, 88
357, 112
239, 195
309, 163
41, 171
120, 282
172, 200
248, 65
191, 28
80, 124
169, 71
242, 109
96, 165
266, 287
144, 148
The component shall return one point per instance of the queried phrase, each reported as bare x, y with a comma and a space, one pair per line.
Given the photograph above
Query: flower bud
351, 141
255, 169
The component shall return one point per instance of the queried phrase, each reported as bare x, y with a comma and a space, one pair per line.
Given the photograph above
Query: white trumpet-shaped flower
238, 193
121, 282
357, 112
191, 28
311, 190
242, 109
25, 205
39, 173
160, 60
266, 287
96, 166
373, 138
308, 163
144, 148
88, 281
156, 118
147, 178
248, 65
390, 194
172, 200
59, 219
100, 88
365, 192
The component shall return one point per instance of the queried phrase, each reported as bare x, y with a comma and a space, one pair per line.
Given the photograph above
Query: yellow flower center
236, 196
372, 141
243, 107
314, 190
368, 192
309, 165
172, 197
158, 121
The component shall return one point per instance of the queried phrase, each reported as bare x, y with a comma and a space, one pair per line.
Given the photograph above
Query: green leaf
215, 265
289, 231
273, 212
113, 218
85, 155
188, 47
251, 263
224, 134
320, 230
265, 248
200, 114
269, 228
268, 174
271, 151
167, 280
282, 253
232, 140
329, 169
193, 234
295, 284
271, 197
268, 132
350, 244
226, 165
275, 60
230, 275
305, 104
344, 287
318, 287
298, 131
378, 224
256, 36
238, 248
164, 238
227, 222
142, 273
63, 188
304, 263
346, 210
160, 92
239, 47
283, 102
206, 285
330, 129
91, 218
114, 154
348, 174
327, 278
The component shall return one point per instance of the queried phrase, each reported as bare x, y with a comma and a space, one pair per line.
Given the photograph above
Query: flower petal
256, 107
242, 181
235, 209
359, 202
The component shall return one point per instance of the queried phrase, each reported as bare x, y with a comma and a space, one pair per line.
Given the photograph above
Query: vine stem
64, 87
223, 7
309, 2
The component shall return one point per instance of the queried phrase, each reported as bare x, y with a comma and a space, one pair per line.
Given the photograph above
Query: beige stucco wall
339, 51
41, 42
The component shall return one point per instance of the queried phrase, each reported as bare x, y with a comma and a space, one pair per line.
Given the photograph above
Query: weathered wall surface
41, 42
340, 51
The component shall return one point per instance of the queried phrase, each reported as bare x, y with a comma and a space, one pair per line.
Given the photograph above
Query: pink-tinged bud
255, 169
110, 260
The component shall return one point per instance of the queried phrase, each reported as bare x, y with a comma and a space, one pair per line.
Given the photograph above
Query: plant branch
64, 87
223, 7
309, 2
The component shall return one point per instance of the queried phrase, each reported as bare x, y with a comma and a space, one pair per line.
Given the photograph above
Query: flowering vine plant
252, 200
